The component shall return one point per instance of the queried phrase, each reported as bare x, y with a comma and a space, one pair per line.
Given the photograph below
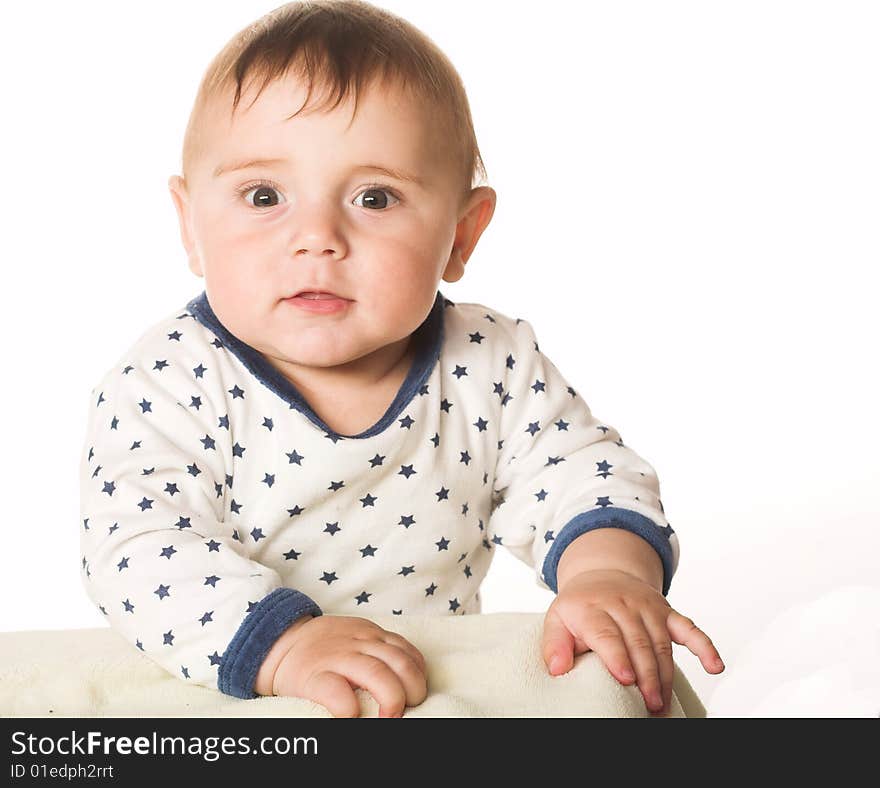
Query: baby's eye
263, 193
375, 199
267, 195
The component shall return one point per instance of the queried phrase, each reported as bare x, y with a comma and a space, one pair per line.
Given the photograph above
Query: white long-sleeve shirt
217, 507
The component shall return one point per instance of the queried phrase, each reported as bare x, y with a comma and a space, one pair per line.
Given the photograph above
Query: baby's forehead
391, 119
295, 95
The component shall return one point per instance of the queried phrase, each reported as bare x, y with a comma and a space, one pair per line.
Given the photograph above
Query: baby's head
369, 194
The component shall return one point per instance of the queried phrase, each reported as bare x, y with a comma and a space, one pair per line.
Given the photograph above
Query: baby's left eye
375, 199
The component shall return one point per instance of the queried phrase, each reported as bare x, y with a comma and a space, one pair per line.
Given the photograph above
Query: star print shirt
217, 508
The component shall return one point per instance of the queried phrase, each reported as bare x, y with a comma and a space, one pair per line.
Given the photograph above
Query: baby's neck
352, 397
362, 373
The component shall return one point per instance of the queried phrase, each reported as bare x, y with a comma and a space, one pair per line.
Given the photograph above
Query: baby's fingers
684, 632
663, 650
406, 669
377, 677
601, 633
394, 639
334, 692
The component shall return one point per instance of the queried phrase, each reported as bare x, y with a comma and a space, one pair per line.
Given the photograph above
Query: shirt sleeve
561, 472
158, 559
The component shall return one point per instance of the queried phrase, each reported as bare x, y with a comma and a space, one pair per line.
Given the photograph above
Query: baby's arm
158, 559
561, 473
177, 581
568, 487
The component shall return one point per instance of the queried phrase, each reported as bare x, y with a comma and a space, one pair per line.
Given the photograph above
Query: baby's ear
454, 267
475, 217
180, 198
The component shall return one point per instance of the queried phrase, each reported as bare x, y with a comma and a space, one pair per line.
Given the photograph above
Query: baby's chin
300, 358
314, 355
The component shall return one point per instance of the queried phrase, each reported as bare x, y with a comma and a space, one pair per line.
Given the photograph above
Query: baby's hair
343, 45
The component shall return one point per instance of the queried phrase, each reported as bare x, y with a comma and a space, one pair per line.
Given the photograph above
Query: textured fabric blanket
485, 665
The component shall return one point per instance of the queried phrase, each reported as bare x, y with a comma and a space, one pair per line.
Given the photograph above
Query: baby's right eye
263, 194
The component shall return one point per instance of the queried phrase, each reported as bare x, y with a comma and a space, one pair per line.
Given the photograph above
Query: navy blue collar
427, 341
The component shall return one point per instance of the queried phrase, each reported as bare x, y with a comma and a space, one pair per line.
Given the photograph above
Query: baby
321, 435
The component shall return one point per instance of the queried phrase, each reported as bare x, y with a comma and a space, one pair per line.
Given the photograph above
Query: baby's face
319, 219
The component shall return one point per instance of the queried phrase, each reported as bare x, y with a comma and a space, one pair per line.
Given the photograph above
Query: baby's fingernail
555, 664
627, 675
719, 664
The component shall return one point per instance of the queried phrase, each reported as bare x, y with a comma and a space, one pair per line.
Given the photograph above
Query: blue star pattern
217, 507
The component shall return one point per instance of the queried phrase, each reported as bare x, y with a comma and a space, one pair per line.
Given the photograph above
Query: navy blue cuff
610, 517
274, 613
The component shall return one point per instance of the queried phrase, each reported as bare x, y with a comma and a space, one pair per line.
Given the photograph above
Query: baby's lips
317, 294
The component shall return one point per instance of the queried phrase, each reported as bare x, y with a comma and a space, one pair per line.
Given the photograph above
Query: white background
688, 198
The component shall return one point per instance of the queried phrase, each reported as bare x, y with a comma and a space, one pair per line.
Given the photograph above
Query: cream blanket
486, 665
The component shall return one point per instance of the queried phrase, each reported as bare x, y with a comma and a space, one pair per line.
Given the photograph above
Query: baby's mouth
318, 296
319, 302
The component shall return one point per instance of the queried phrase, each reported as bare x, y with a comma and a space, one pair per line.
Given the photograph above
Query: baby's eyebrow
397, 174
243, 165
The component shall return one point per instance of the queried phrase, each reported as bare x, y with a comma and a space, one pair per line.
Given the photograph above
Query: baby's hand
331, 656
627, 622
